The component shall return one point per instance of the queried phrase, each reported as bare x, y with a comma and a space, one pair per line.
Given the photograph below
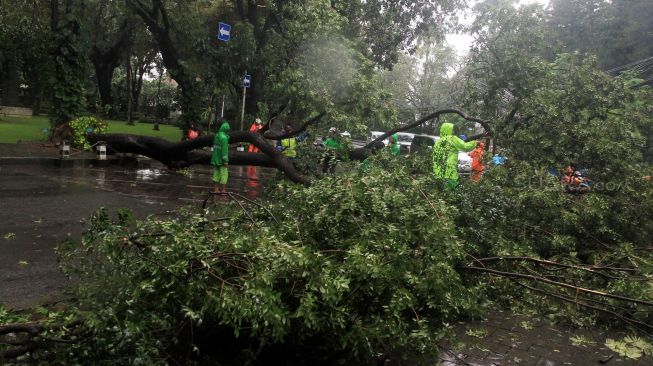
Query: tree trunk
11, 83
158, 95
104, 74
137, 86
128, 80
190, 97
256, 92
106, 60
185, 153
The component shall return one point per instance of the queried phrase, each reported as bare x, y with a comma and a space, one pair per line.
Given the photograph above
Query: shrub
83, 125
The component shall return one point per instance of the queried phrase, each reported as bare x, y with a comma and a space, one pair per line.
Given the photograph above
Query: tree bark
129, 90
190, 98
104, 75
185, 154
105, 62
11, 83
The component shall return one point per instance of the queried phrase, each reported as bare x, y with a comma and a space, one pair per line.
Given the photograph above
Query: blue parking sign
224, 32
247, 81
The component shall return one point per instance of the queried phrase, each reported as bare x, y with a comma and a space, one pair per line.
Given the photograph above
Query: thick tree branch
296, 132
24, 345
588, 306
591, 269
556, 283
185, 153
436, 114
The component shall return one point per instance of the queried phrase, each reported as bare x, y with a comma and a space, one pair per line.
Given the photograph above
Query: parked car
423, 144
376, 134
464, 163
405, 139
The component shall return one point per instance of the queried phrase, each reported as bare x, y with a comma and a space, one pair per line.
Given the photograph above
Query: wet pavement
506, 339
41, 205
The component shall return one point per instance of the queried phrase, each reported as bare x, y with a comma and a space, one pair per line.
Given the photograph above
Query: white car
405, 139
464, 162
376, 134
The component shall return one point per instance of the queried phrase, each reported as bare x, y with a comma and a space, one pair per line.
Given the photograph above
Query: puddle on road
155, 183
148, 174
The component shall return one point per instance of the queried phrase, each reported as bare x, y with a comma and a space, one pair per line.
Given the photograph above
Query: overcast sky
461, 42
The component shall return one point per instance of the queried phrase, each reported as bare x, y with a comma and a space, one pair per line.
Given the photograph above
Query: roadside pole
242, 114
222, 110
247, 82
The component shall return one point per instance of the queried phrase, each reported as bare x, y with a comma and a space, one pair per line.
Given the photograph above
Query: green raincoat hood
446, 129
395, 137
225, 127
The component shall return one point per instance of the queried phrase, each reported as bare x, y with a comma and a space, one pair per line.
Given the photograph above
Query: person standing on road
330, 156
477, 161
445, 155
289, 145
393, 143
220, 158
193, 132
255, 127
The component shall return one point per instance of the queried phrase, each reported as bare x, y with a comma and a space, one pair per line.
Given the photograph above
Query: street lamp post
158, 93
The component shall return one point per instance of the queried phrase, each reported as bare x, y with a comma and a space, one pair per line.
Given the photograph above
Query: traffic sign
247, 81
224, 32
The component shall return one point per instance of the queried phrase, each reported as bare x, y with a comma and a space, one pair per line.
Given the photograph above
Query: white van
376, 134
405, 139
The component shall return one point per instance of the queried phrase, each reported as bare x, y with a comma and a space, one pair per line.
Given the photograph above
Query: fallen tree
187, 153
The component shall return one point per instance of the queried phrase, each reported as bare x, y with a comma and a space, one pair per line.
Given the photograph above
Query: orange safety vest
254, 128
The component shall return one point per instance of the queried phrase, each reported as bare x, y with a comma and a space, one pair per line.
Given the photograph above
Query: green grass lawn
14, 129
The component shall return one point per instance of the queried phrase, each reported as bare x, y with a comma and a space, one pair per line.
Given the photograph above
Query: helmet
258, 121
332, 129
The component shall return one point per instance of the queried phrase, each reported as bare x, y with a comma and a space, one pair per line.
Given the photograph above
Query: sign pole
242, 114
222, 110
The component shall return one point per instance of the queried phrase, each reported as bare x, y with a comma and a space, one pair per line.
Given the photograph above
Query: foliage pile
356, 269
364, 267
518, 212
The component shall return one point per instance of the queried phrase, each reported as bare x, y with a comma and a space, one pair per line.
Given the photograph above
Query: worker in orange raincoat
255, 127
568, 175
477, 161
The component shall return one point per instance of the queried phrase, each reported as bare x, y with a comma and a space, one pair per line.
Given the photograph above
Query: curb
64, 163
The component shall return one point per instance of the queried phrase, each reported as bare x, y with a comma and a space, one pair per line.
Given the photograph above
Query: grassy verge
13, 129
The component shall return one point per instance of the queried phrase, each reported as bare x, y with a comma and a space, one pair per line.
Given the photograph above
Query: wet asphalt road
36, 213
42, 205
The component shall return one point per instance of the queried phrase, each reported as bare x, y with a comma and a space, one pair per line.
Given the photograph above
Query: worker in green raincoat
220, 158
289, 145
445, 155
330, 156
395, 149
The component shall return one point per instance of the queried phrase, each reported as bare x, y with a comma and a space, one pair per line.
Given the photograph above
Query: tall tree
421, 83
385, 28
578, 23
70, 55
112, 29
167, 34
24, 59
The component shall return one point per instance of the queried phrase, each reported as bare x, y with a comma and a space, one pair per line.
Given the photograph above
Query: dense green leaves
358, 268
